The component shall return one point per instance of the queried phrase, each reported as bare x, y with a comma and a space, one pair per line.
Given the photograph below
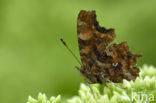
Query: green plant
143, 89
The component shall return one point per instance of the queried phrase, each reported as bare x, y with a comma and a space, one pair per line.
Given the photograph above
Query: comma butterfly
101, 62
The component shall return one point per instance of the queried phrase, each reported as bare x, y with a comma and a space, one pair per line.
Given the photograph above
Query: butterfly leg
90, 89
88, 84
106, 85
77, 68
115, 84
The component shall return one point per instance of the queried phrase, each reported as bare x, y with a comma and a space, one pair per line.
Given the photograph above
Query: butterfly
102, 61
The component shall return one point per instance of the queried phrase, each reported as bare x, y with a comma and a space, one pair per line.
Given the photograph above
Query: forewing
92, 38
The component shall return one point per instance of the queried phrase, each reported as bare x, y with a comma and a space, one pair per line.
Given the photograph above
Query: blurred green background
32, 58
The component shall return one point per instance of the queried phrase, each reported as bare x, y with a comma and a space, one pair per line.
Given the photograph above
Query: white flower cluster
43, 99
142, 90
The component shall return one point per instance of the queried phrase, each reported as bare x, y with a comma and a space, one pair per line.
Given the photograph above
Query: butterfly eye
114, 64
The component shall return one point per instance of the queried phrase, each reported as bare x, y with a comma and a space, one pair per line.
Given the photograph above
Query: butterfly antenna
64, 43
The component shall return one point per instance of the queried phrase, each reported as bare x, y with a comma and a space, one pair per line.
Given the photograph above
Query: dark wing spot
94, 35
99, 79
98, 28
97, 53
85, 42
129, 56
98, 41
